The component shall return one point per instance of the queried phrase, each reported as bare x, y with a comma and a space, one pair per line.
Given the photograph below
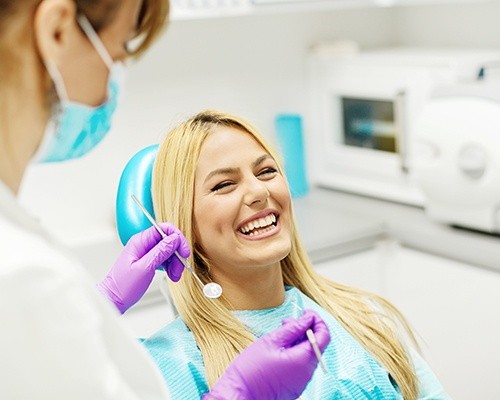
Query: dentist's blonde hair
369, 318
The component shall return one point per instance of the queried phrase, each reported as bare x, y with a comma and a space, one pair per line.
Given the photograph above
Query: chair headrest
135, 180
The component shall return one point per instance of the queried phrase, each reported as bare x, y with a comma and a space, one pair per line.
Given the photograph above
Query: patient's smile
241, 205
260, 225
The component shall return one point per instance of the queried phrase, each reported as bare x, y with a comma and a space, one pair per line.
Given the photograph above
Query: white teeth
259, 223
260, 231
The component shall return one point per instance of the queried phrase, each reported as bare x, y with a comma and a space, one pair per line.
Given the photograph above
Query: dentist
60, 337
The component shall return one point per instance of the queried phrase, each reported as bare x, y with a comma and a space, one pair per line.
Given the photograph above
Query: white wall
253, 66
471, 25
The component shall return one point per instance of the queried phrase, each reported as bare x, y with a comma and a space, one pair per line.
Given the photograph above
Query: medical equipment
363, 113
312, 340
290, 136
314, 344
211, 290
457, 155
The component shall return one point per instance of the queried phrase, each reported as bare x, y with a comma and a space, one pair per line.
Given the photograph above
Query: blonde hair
369, 318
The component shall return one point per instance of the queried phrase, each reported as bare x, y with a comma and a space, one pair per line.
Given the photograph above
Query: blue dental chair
136, 180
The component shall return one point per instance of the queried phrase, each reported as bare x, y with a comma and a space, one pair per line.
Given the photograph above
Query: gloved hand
133, 271
277, 366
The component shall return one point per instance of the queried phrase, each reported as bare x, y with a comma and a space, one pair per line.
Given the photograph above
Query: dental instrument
314, 344
312, 340
211, 290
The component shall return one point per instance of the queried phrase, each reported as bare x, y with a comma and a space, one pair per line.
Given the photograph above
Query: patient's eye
268, 172
222, 185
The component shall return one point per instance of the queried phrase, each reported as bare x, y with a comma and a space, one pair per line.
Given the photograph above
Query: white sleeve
59, 340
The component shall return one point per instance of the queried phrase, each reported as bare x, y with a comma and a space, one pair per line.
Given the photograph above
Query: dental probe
314, 344
312, 340
211, 290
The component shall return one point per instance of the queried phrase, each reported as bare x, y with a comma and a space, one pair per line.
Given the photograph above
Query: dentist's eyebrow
229, 171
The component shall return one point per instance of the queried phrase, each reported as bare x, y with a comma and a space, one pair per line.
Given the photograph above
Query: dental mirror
211, 290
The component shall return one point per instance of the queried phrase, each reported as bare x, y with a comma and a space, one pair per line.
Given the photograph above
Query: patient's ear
55, 29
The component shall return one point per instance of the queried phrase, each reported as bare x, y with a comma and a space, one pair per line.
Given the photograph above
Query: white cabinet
452, 306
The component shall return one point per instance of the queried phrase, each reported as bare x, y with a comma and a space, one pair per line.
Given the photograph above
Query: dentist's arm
277, 366
133, 271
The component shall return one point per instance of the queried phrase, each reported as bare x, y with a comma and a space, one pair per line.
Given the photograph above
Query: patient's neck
253, 290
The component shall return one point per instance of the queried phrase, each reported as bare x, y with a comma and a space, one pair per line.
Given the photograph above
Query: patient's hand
277, 366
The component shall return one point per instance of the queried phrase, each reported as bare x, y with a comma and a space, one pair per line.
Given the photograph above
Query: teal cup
291, 142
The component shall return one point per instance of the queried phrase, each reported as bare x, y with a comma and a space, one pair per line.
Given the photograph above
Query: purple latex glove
133, 271
277, 366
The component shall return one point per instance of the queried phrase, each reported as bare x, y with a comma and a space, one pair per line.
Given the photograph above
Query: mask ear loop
95, 40
57, 79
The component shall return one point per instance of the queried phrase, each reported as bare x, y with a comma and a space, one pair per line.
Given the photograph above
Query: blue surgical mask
75, 128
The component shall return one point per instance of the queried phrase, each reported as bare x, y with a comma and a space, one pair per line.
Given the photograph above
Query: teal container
291, 142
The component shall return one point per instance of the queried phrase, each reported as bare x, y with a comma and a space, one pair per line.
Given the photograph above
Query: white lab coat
59, 337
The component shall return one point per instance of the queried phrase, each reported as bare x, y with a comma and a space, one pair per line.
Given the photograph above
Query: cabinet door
454, 309
363, 270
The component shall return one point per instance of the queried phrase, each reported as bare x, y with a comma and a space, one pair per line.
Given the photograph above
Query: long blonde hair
369, 318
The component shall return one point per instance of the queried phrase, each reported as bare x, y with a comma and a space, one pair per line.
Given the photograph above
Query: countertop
331, 221
328, 230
